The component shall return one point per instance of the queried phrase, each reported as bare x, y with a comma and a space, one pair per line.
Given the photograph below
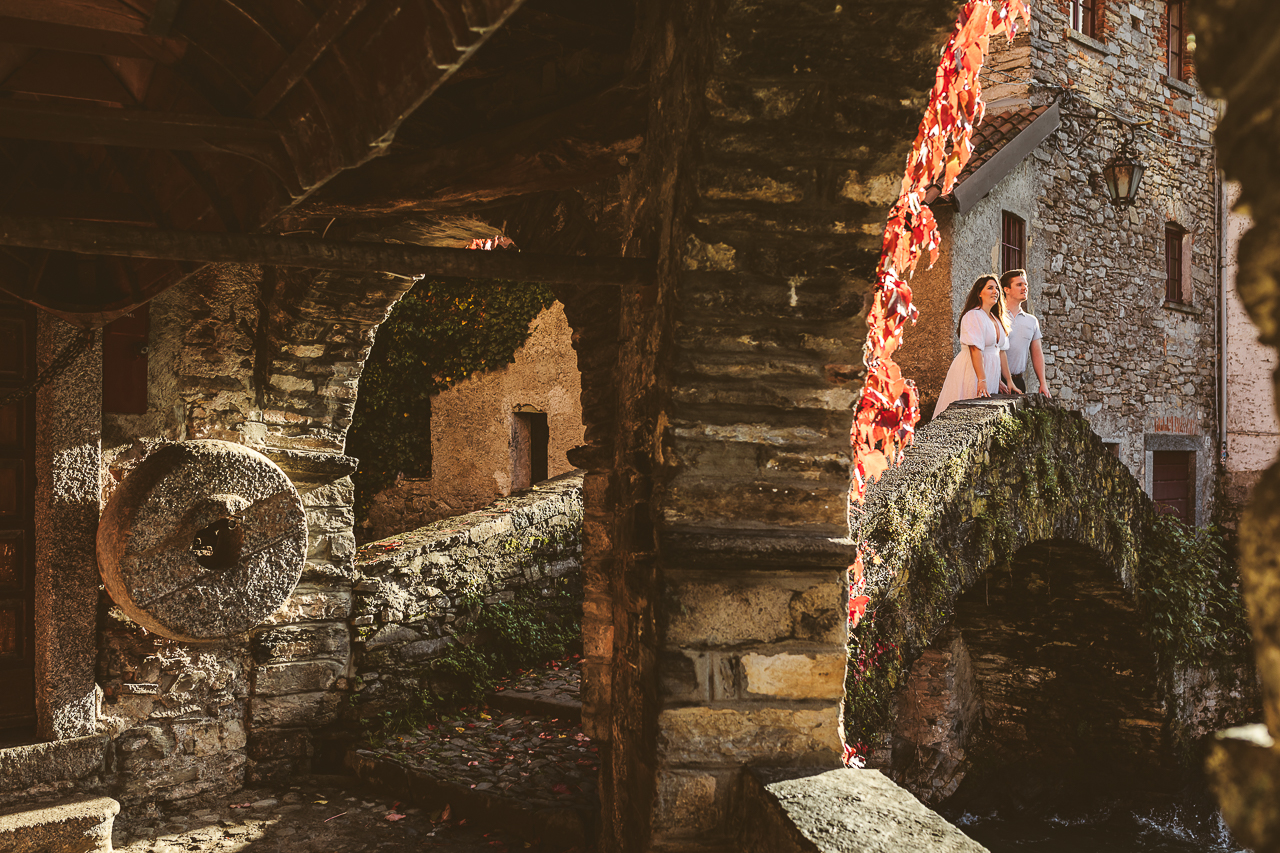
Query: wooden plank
162, 17
77, 204
312, 47
572, 146
358, 257
85, 40
113, 17
93, 125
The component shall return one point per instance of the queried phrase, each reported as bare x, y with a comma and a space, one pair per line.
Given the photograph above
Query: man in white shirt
1024, 332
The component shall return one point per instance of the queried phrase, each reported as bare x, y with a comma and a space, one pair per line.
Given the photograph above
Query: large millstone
202, 541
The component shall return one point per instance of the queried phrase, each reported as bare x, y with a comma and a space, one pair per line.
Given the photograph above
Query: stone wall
1140, 369
472, 428
414, 593
1252, 430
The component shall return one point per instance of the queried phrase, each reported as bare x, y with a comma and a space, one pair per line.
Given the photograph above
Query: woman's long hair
974, 300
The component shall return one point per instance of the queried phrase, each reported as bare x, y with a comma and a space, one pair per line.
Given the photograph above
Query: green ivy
437, 335
1190, 589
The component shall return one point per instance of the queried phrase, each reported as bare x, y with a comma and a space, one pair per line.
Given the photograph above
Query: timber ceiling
266, 116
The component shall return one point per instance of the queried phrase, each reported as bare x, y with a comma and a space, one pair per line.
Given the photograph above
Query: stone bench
79, 824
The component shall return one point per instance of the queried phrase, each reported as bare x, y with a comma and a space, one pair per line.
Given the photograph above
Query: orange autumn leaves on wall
889, 405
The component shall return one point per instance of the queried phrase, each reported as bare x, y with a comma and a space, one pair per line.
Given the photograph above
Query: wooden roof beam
131, 128
292, 251
74, 39
312, 47
576, 145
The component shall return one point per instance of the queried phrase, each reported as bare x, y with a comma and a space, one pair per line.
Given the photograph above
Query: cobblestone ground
530, 753
319, 814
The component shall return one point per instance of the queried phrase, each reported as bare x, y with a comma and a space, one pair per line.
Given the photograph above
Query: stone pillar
801, 153
68, 503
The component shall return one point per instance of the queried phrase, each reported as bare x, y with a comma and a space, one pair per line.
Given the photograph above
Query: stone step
557, 828
537, 702
74, 825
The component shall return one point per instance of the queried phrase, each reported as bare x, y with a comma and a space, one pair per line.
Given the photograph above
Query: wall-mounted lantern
1123, 174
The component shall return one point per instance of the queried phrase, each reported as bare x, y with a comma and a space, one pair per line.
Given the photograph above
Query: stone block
296, 677
686, 802
791, 810
297, 709
312, 603
756, 607
286, 643
25, 767
795, 676
683, 676
79, 824
731, 736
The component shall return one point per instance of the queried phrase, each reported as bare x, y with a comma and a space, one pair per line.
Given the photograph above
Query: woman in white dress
976, 371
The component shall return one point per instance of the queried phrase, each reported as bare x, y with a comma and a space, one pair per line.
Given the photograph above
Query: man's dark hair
1009, 276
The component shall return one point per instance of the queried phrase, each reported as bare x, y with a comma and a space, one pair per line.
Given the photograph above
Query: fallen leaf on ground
394, 816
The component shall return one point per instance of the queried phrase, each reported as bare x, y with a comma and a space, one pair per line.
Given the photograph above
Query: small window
1175, 256
529, 441
1176, 33
1013, 241
1171, 481
1084, 17
1113, 447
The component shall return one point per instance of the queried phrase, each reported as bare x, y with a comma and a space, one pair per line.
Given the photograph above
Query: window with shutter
1174, 290
1084, 17
1176, 34
1013, 241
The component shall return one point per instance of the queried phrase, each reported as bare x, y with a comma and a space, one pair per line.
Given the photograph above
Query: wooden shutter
1177, 38
1013, 241
1171, 483
1084, 17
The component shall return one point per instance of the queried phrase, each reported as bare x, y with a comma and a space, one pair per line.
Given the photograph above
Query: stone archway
1044, 671
996, 504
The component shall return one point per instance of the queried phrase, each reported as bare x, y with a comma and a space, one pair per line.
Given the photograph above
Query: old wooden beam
77, 13
293, 251
94, 125
311, 48
573, 146
71, 39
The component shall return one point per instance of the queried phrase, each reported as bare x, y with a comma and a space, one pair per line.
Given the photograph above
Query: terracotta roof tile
994, 133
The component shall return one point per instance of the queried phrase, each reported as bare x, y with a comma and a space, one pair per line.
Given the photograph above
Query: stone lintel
803, 810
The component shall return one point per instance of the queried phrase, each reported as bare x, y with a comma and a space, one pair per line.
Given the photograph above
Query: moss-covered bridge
1017, 617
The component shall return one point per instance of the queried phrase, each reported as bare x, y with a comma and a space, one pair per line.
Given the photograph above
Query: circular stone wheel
202, 541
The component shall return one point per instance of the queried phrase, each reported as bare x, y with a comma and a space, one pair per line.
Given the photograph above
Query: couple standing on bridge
996, 339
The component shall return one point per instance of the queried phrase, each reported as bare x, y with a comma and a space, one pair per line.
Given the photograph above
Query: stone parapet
789, 810
412, 594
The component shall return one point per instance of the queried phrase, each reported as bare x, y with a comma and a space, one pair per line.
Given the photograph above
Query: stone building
495, 432
1252, 434
706, 187
1128, 297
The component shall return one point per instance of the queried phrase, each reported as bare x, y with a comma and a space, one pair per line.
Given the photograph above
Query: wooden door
17, 504
1171, 483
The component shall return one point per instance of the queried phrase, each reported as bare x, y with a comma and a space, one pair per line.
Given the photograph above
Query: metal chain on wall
55, 368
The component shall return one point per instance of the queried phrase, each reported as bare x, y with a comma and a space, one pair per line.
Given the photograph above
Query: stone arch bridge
1004, 624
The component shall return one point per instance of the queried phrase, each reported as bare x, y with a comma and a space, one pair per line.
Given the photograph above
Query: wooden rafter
291, 251
573, 146
73, 39
324, 33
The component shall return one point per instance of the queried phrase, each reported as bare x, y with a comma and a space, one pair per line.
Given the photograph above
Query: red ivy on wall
889, 407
